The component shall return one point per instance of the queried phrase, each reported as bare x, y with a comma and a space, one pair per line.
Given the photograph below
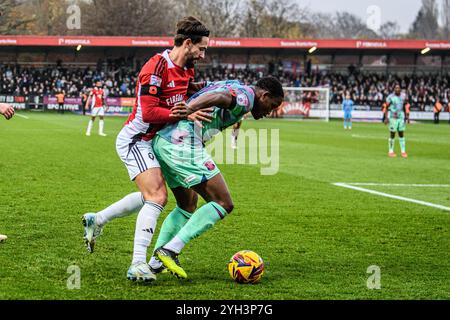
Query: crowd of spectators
119, 80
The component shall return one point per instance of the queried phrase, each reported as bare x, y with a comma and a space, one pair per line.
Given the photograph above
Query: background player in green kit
189, 170
395, 116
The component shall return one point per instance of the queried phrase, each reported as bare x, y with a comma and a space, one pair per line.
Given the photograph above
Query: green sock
171, 225
391, 145
402, 144
202, 220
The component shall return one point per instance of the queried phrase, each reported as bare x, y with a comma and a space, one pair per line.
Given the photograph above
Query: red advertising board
57, 41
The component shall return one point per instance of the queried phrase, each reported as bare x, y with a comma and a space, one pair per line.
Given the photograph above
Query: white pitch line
20, 115
399, 185
387, 195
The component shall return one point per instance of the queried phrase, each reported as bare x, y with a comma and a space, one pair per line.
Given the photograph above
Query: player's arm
224, 100
6, 110
195, 86
406, 110
104, 102
88, 99
199, 109
386, 110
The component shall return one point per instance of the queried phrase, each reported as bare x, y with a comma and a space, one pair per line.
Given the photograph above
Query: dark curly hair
272, 85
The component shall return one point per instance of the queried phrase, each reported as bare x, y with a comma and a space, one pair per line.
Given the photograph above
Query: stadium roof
63, 41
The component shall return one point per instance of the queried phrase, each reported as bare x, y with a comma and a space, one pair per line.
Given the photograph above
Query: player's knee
228, 205
189, 207
159, 195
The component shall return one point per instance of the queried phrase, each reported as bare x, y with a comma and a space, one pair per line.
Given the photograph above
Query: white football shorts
98, 111
137, 155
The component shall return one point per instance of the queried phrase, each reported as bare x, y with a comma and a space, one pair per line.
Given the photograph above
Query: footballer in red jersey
97, 99
163, 85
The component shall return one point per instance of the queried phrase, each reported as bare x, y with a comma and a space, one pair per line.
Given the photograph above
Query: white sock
155, 263
234, 133
175, 245
145, 227
89, 128
101, 124
122, 208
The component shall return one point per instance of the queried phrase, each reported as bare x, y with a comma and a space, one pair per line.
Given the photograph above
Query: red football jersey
97, 98
161, 84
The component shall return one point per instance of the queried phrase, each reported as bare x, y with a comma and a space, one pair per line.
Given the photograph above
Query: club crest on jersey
242, 99
155, 81
210, 165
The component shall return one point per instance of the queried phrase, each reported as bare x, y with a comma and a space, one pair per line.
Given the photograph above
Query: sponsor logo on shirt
171, 84
174, 99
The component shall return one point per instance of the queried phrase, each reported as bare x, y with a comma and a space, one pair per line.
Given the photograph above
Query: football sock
145, 227
89, 128
122, 208
101, 124
391, 145
402, 144
202, 220
170, 227
234, 136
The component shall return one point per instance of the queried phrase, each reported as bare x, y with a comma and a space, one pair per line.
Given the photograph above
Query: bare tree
272, 18
389, 30
127, 18
339, 25
446, 19
222, 17
14, 18
426, 24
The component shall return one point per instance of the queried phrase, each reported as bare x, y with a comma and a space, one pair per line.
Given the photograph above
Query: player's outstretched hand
201, 115
6, 110
179, 111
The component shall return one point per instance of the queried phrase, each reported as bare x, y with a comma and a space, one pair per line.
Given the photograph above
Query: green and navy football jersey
222, 118
396, 106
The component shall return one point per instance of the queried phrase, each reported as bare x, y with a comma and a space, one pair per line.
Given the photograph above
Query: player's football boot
102, 134
140, 272
160, 269
404, 155
392, 154
91, 230
3, 238
170, 260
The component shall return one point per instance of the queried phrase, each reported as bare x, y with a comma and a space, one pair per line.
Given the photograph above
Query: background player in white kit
97, 100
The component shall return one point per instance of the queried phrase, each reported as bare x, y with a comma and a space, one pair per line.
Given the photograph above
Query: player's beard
190, 63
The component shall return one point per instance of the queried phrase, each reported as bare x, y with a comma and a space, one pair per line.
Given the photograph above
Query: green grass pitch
317, 239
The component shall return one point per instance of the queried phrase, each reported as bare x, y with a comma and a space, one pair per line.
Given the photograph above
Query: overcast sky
402, 11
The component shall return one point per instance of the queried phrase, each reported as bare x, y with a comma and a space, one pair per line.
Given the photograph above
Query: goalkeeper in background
347, 107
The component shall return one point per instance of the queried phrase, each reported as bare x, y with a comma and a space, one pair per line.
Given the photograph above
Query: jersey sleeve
151, 81
388, 100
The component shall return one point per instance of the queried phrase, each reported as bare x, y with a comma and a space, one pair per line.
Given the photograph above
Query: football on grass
246, 266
